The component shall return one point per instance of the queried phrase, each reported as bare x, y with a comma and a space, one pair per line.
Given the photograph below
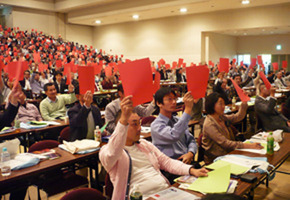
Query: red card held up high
242, 95
86, 79
275, 66
224, 65
284, 64
137, 80
265, 80
197, 78
260, 61
180, 61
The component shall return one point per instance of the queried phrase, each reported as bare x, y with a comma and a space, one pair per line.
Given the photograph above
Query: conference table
277, 159
66, 159
27, 132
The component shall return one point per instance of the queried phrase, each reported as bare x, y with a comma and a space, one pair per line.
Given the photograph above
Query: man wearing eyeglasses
131, 161
170, 133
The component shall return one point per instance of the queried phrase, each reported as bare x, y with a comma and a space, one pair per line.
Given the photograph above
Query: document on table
173, 193
217, 181
263, 143
234, 168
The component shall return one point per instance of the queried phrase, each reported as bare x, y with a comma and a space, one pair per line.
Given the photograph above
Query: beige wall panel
174, 37
81, 34
256, 45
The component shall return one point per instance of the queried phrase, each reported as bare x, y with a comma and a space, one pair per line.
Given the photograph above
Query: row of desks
68, 159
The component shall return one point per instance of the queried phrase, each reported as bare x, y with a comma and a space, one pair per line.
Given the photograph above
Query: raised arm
111, 152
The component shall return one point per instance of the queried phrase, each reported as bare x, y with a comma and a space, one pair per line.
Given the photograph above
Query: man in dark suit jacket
59, 83
7, 117
83, 118
265, 108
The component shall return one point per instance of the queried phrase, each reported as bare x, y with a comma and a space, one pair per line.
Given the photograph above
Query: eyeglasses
136, 123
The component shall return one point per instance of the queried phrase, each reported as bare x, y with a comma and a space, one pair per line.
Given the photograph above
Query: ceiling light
98, 21
183, 10
135, 16
278, 46
245, 33
245, 2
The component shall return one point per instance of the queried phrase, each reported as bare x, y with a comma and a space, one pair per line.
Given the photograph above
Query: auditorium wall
183, 36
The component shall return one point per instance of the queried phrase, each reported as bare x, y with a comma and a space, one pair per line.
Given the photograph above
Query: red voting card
275, 66
14, 67
162, 61
97, 68
265, 80
156, 84
58, 63
260, 61
116, 69
183, 65
86, 79
153, 69
197, 78
180, 61
174, 65
18, 73
167, 66
242, 95
108, 71
68, 76
36, 57
234, 61
224, 65
253, 62
284, 64
67, 69
137, 80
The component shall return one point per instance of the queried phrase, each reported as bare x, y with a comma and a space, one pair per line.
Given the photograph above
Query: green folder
37, 123
217, 181
234, 168
104, 127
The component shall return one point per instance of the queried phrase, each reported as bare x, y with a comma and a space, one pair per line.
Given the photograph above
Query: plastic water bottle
136, 194
234, 103
5, 159
98, 134
270, 144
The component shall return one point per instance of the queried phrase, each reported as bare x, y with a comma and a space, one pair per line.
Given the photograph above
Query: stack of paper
173, 193
217, 181
234, 168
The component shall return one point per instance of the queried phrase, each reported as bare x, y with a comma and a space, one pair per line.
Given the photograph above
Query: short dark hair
58, 73
236, 75
36, 72
260, 85
120, 88
222, 197
45, 87
159, 95
27, 71
210, 101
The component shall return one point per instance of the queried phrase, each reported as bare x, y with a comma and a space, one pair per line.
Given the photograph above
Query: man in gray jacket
265, 104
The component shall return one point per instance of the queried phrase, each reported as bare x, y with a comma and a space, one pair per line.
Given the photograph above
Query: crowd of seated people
173, 146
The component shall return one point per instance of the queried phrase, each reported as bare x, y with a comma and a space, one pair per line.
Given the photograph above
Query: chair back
84, 193
147, 120
45, 144
259, 124
64, 135
200, 157
285, 111
108, 186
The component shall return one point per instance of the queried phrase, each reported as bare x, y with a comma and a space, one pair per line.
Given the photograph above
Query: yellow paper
217, 181
235, 169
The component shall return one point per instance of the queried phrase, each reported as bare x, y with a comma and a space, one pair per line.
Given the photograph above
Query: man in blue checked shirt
169, 133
